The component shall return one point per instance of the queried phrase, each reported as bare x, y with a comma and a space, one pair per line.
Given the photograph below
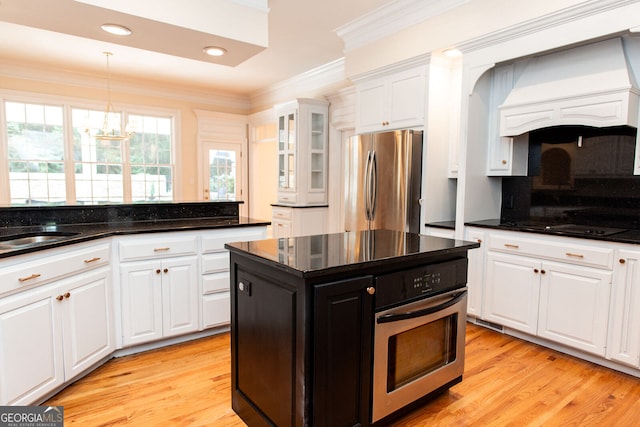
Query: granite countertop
83, 232
310, 256
619, 234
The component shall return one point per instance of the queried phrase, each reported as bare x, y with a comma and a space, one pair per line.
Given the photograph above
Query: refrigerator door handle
367, 181
374, 185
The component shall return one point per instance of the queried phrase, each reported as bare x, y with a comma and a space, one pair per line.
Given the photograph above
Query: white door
574, 306
30, 346
179, 296
141, 301
512, 291
223, 172
86, 320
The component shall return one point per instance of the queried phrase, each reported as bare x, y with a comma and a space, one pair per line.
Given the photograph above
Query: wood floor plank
507, 382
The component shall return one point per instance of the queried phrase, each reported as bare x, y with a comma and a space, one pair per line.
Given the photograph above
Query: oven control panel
415, 283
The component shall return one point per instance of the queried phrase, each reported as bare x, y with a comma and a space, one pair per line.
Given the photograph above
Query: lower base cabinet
341, 383
52, 333
159, 299
624, 330
560, 302
289, 372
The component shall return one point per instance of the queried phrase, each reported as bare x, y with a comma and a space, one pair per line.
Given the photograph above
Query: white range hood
590, 85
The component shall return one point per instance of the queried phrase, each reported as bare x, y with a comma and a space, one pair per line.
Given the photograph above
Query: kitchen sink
26, 239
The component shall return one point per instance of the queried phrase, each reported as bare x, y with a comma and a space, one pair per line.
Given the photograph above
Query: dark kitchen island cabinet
302, 321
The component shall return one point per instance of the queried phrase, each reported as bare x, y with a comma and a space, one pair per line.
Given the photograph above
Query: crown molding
532, 26
214, 99
307, 84
416, 61
390, 19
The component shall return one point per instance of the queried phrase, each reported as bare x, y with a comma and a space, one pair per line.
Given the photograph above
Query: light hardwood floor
507, 382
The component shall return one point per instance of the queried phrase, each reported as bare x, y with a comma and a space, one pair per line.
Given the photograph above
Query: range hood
590, 85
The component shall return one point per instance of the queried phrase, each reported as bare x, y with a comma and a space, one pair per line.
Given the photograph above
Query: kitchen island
302, 320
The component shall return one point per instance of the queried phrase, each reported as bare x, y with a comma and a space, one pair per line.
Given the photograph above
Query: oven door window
421, 350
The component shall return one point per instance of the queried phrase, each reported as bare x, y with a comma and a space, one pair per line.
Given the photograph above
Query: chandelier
112, 125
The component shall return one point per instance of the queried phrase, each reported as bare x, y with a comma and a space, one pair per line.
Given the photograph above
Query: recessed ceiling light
214, 51
116, 29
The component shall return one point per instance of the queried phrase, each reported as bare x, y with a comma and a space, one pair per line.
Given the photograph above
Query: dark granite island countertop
302, 316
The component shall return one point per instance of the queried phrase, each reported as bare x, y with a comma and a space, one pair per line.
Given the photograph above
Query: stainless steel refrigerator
383, 181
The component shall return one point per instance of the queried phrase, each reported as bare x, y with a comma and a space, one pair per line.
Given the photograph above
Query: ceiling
62, 34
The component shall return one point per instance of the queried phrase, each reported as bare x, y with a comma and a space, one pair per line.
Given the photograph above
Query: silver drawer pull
160, 249
574, 255
24, 279
94, 259
511, 246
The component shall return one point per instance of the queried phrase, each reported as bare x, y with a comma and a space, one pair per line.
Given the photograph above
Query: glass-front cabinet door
302, 152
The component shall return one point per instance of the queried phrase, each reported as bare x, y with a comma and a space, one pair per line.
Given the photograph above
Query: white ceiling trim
390, 19
211, 98
563, 16
306, 84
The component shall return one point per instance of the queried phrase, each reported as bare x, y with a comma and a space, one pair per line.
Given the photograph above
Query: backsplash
582, 175
114, 213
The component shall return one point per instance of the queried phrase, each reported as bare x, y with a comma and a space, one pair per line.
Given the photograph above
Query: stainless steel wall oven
419, 334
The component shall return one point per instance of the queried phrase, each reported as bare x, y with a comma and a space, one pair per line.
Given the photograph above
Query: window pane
222, 174
151, 159
35, 140
97, 162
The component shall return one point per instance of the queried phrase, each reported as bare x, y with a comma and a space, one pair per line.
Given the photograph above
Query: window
97, 163
52, 162
35, 147
150, 158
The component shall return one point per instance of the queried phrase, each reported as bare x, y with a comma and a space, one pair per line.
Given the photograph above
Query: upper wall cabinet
302, 152
507, 156
391, 101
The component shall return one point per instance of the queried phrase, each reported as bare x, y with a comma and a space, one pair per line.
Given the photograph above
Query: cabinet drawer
216, 310
554, 249
212, 263
287, 198
43, 269
214, 241
157, 247
216, 282
282, 213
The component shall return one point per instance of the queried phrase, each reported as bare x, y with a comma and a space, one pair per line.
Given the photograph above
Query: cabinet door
31, 360
475, 281
280, 228
86, 320
574, 306
179, 296
624, 330
371, 108
407, 91
512, 290
141, 286
343, 345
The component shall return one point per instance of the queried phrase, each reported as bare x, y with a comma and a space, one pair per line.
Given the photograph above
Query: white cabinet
302, 152
574, 306
31, 360
512, 290
392, 102
160, 294
298, 221
624, 329
52, 333
506, 155
215, 297
475, 272
529, 290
